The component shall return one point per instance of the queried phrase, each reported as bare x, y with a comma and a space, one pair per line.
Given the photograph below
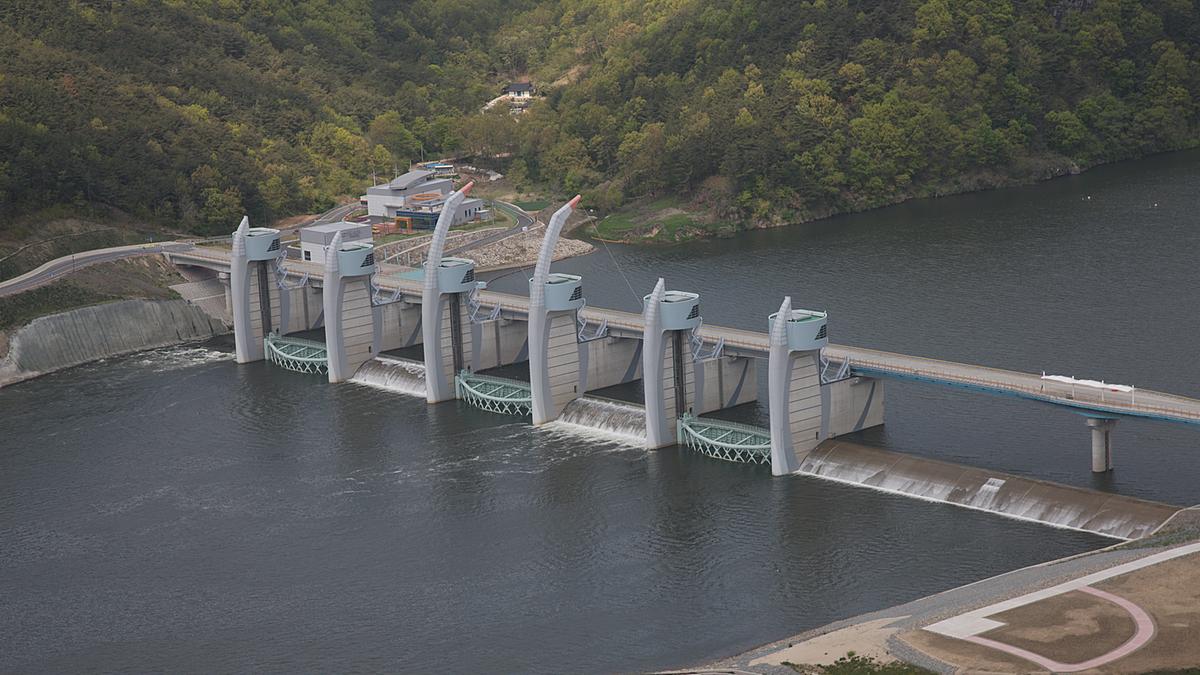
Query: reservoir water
174, 511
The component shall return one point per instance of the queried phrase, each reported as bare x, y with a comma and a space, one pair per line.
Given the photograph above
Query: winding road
523, 219
65, 265
61, 267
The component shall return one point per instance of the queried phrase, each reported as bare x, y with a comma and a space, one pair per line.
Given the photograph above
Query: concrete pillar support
795, 401
657, 377
350, 335
442, 312
254, 296
1102, 460
224, 278
554, 372
246, 347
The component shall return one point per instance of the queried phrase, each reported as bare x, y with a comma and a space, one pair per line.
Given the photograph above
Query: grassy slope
660, 220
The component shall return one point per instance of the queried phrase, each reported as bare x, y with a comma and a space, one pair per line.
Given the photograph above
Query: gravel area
521, 250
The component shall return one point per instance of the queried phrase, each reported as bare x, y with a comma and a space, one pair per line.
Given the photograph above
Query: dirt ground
1063, 627
1075, 627
142, 277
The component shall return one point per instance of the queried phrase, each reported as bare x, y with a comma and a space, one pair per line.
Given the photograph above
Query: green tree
389, 131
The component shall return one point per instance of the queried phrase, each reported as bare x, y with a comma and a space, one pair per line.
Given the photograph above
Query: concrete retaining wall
853, 405
71, 338
301, 309
498, 342
609, 361
723, 383
398, 325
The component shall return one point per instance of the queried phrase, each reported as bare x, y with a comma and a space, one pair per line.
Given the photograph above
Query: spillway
401, 376
1006, 494
614, 420
1009, 495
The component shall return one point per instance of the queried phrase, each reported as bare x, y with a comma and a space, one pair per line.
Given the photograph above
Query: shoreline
744, 226
877, 632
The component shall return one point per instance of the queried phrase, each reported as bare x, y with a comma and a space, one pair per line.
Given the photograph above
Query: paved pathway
888, 623
971, 625
67, 264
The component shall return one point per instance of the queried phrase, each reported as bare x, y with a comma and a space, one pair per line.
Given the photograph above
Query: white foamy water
603, 418
172, 358
1013, 496
396, 375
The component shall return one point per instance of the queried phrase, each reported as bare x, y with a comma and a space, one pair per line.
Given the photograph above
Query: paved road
1139, 402
523, 219
60, 267
334, 215
65, 265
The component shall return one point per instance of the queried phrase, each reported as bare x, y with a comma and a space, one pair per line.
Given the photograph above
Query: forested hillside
194, 111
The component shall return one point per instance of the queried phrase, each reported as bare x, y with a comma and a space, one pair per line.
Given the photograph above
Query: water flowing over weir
396, 375
618, 420
1014, 496
1009, 495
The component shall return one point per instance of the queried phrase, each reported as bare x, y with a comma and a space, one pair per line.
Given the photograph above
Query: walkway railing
583, 335
1137, 402
281, 274
296, 354
495, 394
475, 308
831, 371
727, 441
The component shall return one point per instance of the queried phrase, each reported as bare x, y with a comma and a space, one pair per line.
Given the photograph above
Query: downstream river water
174, 511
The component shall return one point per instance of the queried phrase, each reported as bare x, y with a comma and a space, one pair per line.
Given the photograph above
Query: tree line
192, 112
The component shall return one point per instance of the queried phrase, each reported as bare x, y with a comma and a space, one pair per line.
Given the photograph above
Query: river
171, 510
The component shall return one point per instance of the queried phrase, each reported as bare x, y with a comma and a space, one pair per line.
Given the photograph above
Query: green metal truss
297, 355
495, 394
728, 441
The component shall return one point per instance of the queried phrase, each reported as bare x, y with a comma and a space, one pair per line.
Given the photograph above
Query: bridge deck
867, 362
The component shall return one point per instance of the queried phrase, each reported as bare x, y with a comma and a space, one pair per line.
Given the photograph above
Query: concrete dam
437, 333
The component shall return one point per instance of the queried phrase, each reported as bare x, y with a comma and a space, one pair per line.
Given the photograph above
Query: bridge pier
445, 317
223, 277
554, 301
1102, 427
349, 313
253, 289
797, 400
667, 382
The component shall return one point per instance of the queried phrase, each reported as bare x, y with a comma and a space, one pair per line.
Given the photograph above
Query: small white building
419, 196
315, 240
520, 90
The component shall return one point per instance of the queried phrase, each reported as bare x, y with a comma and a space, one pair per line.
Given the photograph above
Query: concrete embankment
67, 339
1006, 494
